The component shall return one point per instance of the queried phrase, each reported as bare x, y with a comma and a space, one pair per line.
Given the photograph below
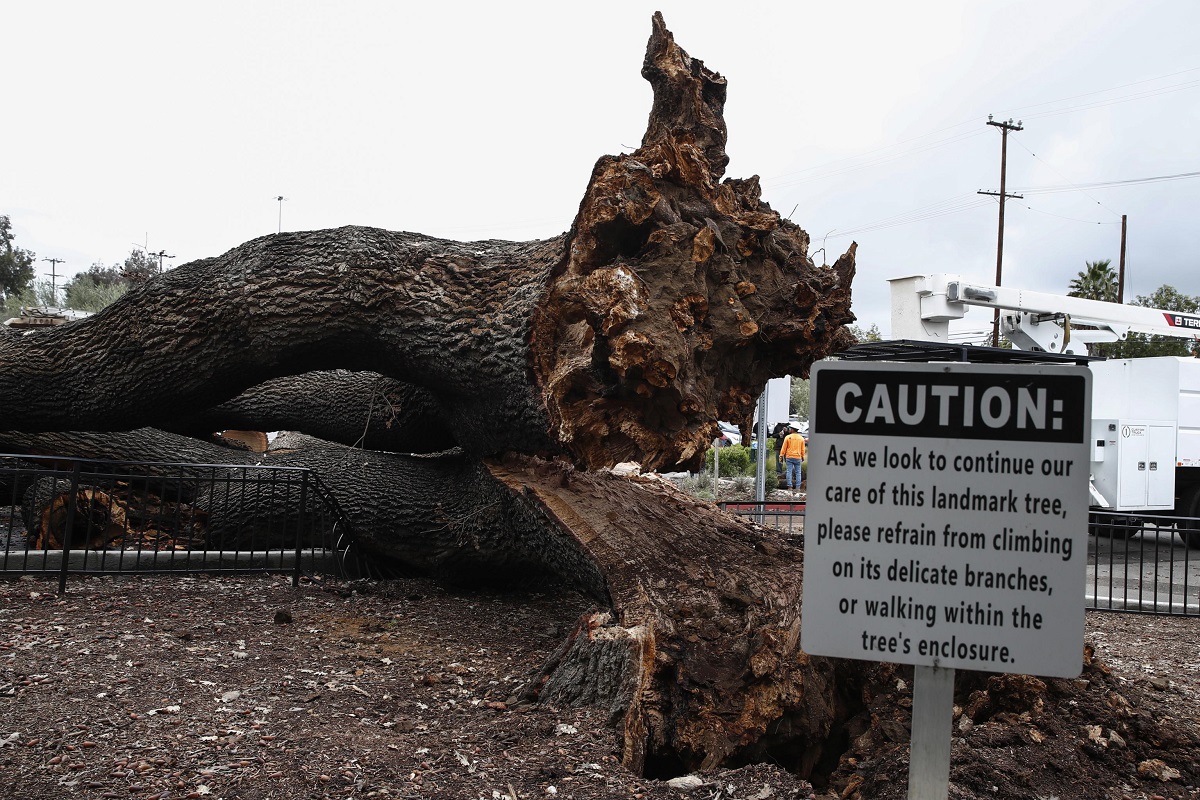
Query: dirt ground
243, 687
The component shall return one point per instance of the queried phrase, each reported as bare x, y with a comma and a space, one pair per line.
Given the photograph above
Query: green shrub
735, 460
740, 461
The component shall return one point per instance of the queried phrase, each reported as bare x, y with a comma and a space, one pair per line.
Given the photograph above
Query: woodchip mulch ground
245, 687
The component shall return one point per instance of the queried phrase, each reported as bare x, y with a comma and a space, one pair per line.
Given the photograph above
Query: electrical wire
1051, 166
1179, 176
842, 166
1060, 216
954, 205
1017, 111
960, 203
1114, 101
786, 179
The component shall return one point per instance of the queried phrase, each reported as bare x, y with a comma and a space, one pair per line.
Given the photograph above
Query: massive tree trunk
700, 656
667, 306
671, 301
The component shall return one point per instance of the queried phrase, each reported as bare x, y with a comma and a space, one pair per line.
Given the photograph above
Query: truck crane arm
923, 305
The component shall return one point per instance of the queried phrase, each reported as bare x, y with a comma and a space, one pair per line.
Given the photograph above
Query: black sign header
1036, 404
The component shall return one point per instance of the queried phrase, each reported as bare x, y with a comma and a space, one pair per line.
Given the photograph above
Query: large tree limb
356, 408
439, 515
666, 307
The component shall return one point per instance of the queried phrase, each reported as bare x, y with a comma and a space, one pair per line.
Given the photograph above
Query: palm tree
1097, 281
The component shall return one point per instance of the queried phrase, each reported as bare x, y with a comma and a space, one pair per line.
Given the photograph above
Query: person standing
793, 451
780, 431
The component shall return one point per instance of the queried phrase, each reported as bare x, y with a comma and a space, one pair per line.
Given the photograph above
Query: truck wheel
1189, 528
1112, 526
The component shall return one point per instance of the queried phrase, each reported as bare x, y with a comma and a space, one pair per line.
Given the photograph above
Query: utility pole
280, 198
161, 255
1121, 268
54, 262
1004, 127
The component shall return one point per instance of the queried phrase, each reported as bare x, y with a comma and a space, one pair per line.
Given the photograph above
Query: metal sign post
932, 717
716, 468
760, 466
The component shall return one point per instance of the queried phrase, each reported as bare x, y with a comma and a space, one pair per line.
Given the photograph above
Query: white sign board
779, 400
946, 523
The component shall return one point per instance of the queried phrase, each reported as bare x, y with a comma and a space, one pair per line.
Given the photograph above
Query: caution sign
946, 522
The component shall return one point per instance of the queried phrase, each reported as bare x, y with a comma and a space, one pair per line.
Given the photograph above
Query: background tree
139, 267
96, 288
798, 407
1141, 345
16, 263
39, 294
871, 334
101, 285
1097, 281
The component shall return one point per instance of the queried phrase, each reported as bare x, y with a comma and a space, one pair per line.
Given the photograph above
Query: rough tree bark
667, 306
364, 409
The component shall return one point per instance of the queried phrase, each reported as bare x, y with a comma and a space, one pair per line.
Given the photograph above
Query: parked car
729, 435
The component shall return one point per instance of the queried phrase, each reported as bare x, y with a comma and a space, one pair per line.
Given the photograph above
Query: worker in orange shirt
793, 452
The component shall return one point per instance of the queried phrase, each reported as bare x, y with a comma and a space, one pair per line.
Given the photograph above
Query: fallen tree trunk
364, 409
668, 305
699, 659
98, 517
439, 515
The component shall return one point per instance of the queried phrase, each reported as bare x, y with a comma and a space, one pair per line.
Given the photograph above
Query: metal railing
61, 516
1143, 564
786, 516
1137, 564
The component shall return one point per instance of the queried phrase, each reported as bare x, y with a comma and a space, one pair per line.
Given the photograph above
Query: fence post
300, 520
69, 528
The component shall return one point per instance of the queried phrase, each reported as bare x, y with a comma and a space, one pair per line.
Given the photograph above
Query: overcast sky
175, 126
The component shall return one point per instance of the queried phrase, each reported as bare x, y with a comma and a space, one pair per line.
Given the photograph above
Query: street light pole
280, 198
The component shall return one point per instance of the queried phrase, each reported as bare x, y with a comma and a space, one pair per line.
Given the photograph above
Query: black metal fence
1144, 564
1138, 564
65, 516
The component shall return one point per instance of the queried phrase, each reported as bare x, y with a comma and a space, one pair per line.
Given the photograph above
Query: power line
958, 204
1025, 109
954, 205
1179, 176
1035, 155
831, 169
1071, 219
784, 180
1114, 101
